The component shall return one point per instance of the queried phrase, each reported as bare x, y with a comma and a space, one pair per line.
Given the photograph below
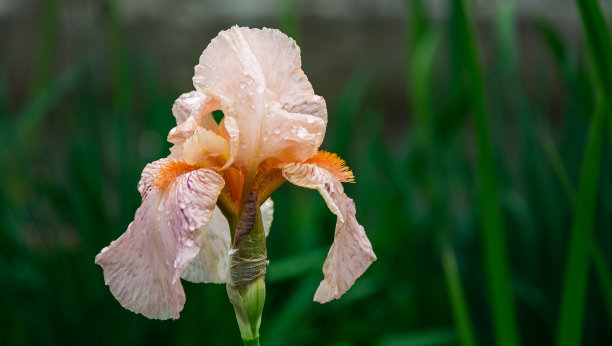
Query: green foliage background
490, 218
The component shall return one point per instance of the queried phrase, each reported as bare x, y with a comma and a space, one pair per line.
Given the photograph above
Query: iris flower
201, 202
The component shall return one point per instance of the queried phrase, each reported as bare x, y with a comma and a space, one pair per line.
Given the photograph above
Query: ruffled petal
191, 110
212, 263
351, 253
256, 75
143, 267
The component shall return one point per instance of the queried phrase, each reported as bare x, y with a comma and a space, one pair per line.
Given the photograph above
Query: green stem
246, 288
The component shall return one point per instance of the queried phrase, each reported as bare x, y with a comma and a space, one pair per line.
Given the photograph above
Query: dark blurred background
86, 89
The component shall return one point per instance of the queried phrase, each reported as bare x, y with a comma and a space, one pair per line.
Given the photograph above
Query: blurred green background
479, 135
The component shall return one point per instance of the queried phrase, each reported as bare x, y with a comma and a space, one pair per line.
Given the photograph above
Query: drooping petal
212, 263
143, 267
256, 75
351, 252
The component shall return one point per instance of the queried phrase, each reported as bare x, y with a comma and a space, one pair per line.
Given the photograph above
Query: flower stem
246, 288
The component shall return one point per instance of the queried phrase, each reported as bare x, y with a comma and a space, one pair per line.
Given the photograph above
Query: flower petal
351, 252
205, 145
267, 214
143, 267
256, 75
191, 110
212, 263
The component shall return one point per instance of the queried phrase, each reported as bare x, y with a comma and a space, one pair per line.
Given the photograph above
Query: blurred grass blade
496, 262
294, 266
288, 18
603, 275
600, 46
574, 288
601, 269
421, 69
460, 306
422, 338
47, 44
32, 116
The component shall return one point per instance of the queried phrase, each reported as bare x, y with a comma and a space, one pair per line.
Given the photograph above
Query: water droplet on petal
189, 242
302, 132
182, 205
276, 131
310, 120
242, 85
260, 89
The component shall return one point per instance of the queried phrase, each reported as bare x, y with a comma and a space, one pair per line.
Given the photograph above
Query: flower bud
248, 301
246, 288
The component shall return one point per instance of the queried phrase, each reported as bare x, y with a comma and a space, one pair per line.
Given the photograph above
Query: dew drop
276, 131
189, 242
245, 72
241, 85
310, 120
182, 205
302, 133
260, 89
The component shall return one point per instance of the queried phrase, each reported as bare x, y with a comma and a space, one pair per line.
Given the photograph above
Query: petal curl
351, 253
212, 263
143, 267
257, 77
191, 110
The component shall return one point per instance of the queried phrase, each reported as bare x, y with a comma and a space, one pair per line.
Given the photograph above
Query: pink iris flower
271, 131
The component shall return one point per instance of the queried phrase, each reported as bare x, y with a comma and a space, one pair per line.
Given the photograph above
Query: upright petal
351, 253
191, 110
143, 267
212, 263
256, 75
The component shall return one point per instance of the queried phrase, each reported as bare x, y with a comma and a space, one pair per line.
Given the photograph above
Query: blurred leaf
494, 238
422, 338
